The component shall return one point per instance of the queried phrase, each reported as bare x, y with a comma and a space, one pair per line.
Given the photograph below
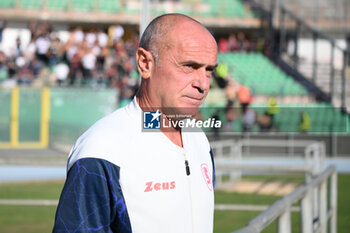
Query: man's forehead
189, 40
180, 27
196, 48
195, 43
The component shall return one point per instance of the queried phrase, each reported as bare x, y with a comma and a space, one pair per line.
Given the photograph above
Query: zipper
188, 172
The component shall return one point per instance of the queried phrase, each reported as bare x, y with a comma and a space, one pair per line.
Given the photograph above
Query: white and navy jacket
123, 179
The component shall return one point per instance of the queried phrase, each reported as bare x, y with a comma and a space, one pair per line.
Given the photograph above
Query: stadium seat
82, 5
227, 9
266, 79
32, 4
109, 6
7, 3
157, 11
324, 118
57, 5
259, 74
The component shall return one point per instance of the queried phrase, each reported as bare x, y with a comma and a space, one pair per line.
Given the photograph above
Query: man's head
176, 57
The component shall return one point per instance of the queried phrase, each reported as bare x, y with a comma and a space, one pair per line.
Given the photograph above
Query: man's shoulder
110, 136
120, 122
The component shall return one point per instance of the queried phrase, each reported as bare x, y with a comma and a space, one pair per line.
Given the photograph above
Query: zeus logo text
150, 186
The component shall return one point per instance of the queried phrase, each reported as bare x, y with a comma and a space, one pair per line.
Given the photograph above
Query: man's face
181, 77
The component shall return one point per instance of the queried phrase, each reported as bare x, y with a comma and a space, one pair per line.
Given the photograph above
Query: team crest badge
206, 175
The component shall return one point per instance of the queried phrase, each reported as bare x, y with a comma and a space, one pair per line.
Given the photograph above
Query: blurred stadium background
66, 63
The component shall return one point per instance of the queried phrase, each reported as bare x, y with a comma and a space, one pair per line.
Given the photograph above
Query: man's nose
201, 80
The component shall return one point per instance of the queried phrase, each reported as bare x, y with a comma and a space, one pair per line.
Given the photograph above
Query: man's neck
174, 134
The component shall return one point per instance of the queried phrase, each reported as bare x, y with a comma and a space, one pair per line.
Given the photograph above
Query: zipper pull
187, 168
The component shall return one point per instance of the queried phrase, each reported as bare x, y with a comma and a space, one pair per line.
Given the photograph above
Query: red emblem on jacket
206, 176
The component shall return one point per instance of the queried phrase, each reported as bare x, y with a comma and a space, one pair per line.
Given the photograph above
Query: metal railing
321, 65
229, 158
314, 210
327, 71
311, 221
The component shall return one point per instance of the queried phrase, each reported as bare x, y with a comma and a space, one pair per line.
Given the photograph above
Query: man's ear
145, 62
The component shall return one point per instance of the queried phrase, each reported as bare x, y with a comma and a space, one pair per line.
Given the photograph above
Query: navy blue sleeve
212, 161
92, 200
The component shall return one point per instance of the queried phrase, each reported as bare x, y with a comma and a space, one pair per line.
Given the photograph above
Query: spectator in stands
223, 45
115, 33
305, 122
72, 48
231, 92
61, 71
35, 66
243, 43
264, 121
272, 109
18, 47
12, 69
32, 26
221, 75
101, 57
232, 43
91, 38
248, 119
78, 35
75, 68
230, 116
30, 50
244, 97
42, 47
86, 54
55, 52
88, 63
102, 38
24, 74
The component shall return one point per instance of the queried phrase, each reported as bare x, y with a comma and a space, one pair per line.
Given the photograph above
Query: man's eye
209, 73
211, 70
188, 68
193, 65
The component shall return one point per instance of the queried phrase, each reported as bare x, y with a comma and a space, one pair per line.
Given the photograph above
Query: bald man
122, 178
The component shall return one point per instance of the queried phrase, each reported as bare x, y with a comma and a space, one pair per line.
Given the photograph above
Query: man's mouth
195, 98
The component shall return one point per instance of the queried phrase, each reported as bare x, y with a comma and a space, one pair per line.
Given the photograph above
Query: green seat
82, 5
215, 10
132, 11
31, 4
257, 72
7, 3
57, 5
109, 6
